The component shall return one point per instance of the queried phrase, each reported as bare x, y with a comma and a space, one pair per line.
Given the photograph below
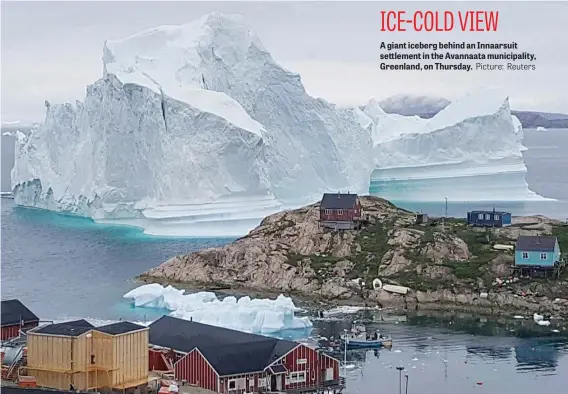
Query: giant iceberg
196, 130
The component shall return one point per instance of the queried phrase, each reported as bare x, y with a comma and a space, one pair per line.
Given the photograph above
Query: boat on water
359, 338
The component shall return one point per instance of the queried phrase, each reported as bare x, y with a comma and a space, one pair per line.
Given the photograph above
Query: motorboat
359, 338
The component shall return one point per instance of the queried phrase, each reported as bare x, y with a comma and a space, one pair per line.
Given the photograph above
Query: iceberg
470, 151
192, 130
195, 130
261, 316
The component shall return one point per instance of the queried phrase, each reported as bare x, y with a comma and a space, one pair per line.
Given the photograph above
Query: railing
335, 384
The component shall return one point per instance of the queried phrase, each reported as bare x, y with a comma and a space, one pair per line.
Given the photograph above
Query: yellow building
83, 357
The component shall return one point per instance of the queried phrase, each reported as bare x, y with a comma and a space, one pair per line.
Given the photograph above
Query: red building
340, 211
15, 317
233, 362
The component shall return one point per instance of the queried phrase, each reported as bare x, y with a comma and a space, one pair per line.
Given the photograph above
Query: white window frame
497, 217
296, 377
251, 384
525, 255
487, 216
262, 382
301, 361
480, 216
234, 382
544, 256
327, 211
340, 211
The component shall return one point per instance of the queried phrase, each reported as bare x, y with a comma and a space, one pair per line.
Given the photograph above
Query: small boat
359, 338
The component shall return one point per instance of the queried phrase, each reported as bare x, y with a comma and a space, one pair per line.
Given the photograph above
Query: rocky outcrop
442, 264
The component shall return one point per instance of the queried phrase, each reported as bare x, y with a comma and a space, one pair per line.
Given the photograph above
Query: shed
421, 218
340, 211
224, 360
15, 317
537, 251
489, 218
76, 353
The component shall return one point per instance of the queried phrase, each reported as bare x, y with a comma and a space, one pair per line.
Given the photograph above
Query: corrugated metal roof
338, 201
536, 243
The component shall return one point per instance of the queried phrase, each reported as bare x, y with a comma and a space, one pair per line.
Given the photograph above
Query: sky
52, 50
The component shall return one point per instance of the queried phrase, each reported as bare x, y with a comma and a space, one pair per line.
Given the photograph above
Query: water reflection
538, 356
452, 353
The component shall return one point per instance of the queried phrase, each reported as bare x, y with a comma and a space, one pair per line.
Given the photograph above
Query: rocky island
445, 264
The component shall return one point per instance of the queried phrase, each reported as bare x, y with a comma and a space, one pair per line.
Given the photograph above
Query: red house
233, 362
15, 317
340, 211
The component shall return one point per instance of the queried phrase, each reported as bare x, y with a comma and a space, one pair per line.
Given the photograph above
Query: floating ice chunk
263, 316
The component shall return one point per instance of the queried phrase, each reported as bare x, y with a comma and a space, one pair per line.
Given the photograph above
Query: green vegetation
561, 232
374, 245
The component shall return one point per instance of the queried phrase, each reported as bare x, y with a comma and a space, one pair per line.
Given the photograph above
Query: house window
296, 377
302, 361
340, 211
232, 384
496, 217
263, 382
525, 255
327, 211
543, 256
251, 384
480, 216
487, 216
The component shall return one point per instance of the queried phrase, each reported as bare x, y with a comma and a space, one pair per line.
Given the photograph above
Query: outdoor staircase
12, 373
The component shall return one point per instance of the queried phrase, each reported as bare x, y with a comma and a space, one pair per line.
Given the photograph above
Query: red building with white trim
340, 211
16, 317
233, 362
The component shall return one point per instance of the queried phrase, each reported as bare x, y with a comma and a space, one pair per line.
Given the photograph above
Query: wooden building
16, 317
77, 355
340, 211
233, 362
537, 256
489, 218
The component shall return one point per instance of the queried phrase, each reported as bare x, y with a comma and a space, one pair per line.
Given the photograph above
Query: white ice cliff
469, 151
263, 316
196, 130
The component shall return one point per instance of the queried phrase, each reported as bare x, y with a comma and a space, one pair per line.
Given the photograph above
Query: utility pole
406, 388
400, 369
446, 207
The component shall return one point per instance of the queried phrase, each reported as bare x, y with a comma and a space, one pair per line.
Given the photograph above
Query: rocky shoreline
445, 266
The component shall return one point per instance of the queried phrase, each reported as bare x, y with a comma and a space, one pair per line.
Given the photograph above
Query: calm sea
66, 267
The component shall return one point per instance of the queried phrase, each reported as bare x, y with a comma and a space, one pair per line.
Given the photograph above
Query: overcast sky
52, 50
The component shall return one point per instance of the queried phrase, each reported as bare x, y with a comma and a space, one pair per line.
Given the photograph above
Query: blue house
489, 218
537, 252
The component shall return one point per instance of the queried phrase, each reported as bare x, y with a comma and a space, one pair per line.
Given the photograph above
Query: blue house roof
536, 243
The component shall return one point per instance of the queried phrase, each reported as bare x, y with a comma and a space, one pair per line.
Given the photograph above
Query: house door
273, 383
329, 374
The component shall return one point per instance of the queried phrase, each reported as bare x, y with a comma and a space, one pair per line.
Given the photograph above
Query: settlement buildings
537, 256
78, 356
489, 218
340, 211
16, 317
227, 361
